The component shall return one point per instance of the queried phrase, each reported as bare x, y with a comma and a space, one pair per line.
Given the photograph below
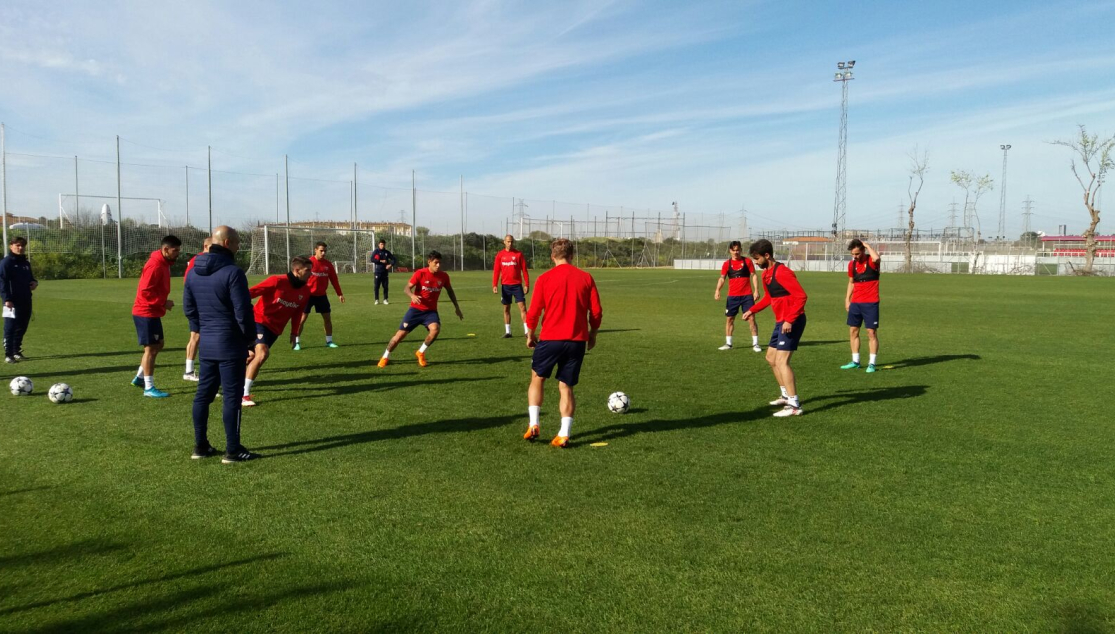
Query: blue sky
718, 105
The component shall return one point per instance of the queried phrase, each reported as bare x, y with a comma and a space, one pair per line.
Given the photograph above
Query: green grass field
967, 488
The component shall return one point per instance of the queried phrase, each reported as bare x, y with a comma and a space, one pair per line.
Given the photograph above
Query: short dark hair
300, 260
320, 244
761, 247
561, 248
172, 242
856, 243
18, 240
433, 255
733, 244
382, 241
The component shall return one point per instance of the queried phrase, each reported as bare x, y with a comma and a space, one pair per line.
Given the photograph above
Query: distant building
1074, 245
381, 228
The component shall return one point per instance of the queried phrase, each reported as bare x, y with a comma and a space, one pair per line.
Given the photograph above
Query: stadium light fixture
840, 65
851, 63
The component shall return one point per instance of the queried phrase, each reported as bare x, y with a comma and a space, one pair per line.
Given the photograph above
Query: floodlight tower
1002, 233
843, 75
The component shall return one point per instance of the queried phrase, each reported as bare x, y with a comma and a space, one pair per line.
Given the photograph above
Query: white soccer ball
60, 393
21, 386
618, 403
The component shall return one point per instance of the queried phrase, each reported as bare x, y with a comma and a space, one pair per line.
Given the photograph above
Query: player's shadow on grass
619, 330
825, 342
914, 362
329, 378
623, 430
131, 367
372, 383
515, 358
27, 490
859, 397
117, 353
69, 552
452, 426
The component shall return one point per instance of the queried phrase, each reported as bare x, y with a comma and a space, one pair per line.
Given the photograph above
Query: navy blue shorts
415, 318
866, 314
780, 341
739, 304
320, 302
265, 336
510, 292
566, 355
149, 330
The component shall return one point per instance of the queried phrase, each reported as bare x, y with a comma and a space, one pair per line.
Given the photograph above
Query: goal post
274, 245
69, 209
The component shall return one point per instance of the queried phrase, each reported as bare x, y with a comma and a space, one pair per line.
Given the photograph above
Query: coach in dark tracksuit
16, 284
216, 298
384, 262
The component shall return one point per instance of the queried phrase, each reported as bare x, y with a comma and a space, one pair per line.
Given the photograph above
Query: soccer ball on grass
618, 403
60, 393
21, 386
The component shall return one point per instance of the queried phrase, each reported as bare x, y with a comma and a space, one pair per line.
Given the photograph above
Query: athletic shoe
377, 302
240, 455
561, 442
789, 410
331, 345
204, 452
781, 400
385, 302
19, 356
137, 381
247, 401
190, 376
10, 360
421, 359
506, 335
383, 361
757, 348
297, 347
154, 392
871, 367
532, 433
853, 365
726, 346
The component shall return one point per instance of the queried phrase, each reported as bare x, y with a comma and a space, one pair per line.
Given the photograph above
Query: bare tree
1095, 153
919, 165
973, 188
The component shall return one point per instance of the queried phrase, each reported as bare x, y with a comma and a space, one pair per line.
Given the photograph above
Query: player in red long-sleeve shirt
566, 300
322, 275
787, 299
282, 298
423, 289
510, 273
150, 305
195, 329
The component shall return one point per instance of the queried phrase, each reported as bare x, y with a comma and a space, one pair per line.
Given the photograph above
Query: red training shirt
564, 297
280, 302
322, 270
510, 268
783, 293
154, 287
189, 267
739, 276
428, 287
865, 281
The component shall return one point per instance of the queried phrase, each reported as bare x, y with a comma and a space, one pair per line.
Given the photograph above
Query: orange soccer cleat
532, 433
382, 362
421, 359
560, 442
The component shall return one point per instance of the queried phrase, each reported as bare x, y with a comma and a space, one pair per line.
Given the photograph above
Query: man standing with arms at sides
150, 305
322, 275
16, 284
786, 297
862, 301
743, 292
423, 289
566, 299
217, 298
281, 300
510, 272
191, 346
383, 261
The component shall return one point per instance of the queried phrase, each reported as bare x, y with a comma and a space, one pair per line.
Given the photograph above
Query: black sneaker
204, 452
506, 335
19, 356
240, 455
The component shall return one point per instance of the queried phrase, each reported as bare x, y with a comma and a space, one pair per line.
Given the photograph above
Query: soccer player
16, 284
217, 298
566, 299
862, 301
786, 297
191, 346
423, 289
322, 275
510, 272
384, 262
150, 305
743, 292
281, 300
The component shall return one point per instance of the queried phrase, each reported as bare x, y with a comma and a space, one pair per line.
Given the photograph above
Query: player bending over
282, 298
150, 305
423, 289
743, 292
322, 275
510, 272
195, 330
787, 299
566, 299
862, 301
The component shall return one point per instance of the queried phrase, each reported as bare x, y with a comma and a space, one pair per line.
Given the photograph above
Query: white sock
754, 340
532, 412
148, 382
189, 366
248, 386
297, 339
507, 328
328, 338
728, 340
140, 371
566, 423
526, 331
871, 359
784, 394
387, 354
794, 401
855, 357
423, 347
